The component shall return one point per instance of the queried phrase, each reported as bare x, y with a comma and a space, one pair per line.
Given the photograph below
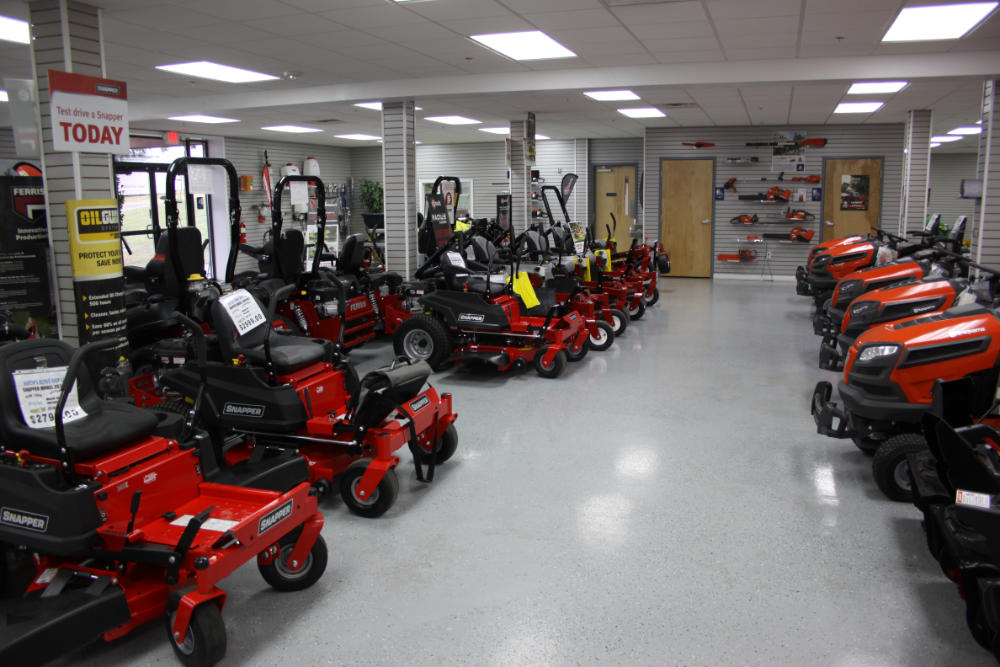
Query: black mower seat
288, 353
106, 427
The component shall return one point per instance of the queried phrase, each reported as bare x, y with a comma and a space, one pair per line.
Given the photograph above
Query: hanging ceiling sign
89, 114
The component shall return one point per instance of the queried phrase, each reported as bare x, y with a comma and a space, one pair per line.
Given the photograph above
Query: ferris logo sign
89, 114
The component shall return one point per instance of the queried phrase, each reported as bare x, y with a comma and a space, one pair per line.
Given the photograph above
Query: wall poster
854, 192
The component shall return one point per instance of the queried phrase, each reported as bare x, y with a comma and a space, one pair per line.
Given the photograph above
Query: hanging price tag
243, 310
200, 179
972, 498
299, 193
38, 394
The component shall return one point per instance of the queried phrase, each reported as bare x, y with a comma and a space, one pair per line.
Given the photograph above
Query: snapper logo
243, 410
21, 519
272, 519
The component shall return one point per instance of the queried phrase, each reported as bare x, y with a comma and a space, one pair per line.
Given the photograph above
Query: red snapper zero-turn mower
888, 383
279, 390
324, 304
123, 522
463, 316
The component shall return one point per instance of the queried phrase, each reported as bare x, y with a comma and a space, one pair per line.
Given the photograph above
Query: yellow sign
94, 241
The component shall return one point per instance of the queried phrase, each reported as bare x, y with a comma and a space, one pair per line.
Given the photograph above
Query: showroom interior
670, 496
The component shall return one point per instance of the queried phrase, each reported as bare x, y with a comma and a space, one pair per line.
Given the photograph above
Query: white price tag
243, 310
200, 181
216, 525
456, 259
972, 498
38, 393
299, 193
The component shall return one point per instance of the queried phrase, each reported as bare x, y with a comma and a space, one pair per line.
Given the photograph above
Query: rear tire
555, 367
381, 499
281, 578
637, 311
205, 641
422, 338
604, 338
619, 321
890, 468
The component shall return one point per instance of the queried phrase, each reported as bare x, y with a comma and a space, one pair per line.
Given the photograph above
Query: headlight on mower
863, 310
821, 261
878, 351
849, 289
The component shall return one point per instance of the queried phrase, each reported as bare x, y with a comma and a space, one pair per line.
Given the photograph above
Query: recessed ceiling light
3, 96
932, 22
945, 138
611, 95
377, 106
857, 107
935, 144
293, 129
525, 45
13, 30
209, 70
875, 87
971, 129
541, 137
454, 120
199, 118
642, 112
359, 137
495, 130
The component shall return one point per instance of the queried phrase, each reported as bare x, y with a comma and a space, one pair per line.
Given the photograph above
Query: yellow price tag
524, 289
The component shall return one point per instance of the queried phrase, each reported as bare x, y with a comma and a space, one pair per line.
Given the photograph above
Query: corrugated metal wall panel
989, 171
884, 141
247, 156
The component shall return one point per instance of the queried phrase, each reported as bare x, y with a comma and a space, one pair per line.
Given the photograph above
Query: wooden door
614, 192
686, 197
853, 196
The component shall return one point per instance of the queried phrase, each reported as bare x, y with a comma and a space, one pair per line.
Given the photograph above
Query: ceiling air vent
678, 105
324, 121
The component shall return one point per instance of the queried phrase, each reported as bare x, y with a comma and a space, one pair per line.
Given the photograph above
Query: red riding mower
920, 297
933, 257
118, 520
803, 286
323, 305
633, 267
462, 316
283, 391
888, 382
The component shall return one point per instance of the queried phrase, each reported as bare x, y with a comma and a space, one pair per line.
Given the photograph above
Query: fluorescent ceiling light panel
933, 22
293, 129
945, 138
857, 107
13, 30
642, 112
3, 96
377, 106
209, 70
454, 120
611, 95
541, 137
200, 118
359, 137
526, 45
495, 130
935, 144
876, 87
971, 129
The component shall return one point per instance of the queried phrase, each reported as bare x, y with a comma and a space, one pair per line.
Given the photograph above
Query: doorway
853, 197
686, 211
615, 191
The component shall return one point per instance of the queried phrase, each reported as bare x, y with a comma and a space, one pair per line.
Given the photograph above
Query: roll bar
277, 220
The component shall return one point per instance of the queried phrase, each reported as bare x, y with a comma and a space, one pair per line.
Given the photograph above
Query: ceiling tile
766, 29
661, 31
373, 16
784, 51
660, 13
485, 26
588, 18
739, 9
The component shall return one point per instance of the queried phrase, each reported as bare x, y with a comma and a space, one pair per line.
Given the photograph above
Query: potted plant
372, 200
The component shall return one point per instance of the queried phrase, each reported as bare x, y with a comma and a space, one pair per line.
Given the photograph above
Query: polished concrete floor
666, 502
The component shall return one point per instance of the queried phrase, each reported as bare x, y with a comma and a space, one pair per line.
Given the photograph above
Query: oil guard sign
88, 114
96, 258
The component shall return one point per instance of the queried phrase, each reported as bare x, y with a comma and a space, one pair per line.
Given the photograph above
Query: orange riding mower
113, 516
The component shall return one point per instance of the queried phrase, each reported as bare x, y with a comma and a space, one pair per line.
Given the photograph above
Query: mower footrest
500, 359
824, 413
35, 629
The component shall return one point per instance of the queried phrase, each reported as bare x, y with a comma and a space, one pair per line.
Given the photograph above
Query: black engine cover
466, 310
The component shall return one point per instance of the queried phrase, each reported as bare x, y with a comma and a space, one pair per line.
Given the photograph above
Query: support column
67, 37
399, 174
916, 170
987, 216
520, 180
